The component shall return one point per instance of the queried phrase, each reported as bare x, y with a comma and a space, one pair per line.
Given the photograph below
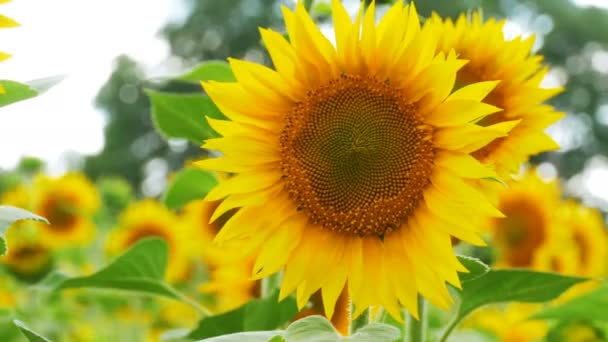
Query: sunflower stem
270, 284
415, 329
308, 5
205, 312
359, 322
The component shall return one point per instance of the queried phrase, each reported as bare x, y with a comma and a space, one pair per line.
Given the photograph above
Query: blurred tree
212, 30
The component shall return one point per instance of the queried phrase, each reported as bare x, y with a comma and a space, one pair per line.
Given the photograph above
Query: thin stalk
359, 322
448, 330
415, 329
200, 308
269, 284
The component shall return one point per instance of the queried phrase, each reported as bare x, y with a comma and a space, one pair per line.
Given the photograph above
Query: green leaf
141, 269
10, 215
252, 336
183, 115
376, 332
498, 286
187, 185
29, 333
41, 85
209, 71
590, 306
513, 285
311, 329
258, 314
475, 266
15, 92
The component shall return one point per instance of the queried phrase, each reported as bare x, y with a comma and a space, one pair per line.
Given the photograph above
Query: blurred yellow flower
519, 94
526, 236
28, 257
149, 218
229, 266
68, 202
18, 196
509, 323
353, 161
7, 293
588, 234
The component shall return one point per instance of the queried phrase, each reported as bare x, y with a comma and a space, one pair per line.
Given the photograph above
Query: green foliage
15, 92
513, 285
183, 115
475, 266
10, 215
29, 333
314, 329
187, 185
140, 269
209, 71
41, 85
258, 314
590, 306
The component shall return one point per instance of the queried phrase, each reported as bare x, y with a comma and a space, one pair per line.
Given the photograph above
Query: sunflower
149, 218
68, 202
229, 267
518, 93
28, 257
352, 163
527, 237
589, 236
509, 323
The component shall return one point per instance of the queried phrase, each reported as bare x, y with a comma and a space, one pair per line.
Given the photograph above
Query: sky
80, 40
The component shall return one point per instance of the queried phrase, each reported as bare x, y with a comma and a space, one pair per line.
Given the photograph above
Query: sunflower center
61, 213
356, 156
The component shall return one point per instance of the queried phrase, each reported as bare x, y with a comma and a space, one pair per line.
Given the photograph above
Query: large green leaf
514, 285
258, 314
29, 333
10, 215
140, 269
209, 71
590, 306
15, 92
183, 115
187, 185
498, 286
311, 329
475, 266
250, 336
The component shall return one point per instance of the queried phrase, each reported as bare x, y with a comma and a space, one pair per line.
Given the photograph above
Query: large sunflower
527, 236
149, 218
353, 162
68, 202
518, 93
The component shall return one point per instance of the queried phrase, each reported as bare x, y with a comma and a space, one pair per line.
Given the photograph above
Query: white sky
79, 39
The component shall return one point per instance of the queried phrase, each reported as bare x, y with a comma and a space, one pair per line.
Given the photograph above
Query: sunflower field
317, 171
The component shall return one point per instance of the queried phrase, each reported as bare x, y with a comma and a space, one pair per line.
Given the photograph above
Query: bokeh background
98, 121
98, 118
